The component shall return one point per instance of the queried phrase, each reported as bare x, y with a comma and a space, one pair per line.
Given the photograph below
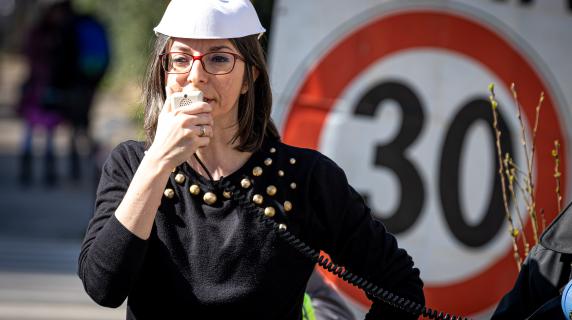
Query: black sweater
221, 261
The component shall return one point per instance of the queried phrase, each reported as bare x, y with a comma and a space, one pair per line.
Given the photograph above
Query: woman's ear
255, 74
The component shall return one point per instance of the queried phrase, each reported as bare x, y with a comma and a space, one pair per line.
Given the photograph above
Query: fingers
201, 142
198, 136
190, 120
202, 131
195, 108
198, 126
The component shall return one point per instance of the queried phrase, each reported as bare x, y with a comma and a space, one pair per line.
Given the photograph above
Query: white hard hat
209, 19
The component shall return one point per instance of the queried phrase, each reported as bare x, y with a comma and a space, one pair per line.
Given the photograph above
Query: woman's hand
178, 133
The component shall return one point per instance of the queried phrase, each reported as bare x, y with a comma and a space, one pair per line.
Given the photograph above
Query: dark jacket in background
546, 270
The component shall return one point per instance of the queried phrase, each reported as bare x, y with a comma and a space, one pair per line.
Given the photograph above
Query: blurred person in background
68, 54
80, 62
93, 61
190, 224
325, 301
40, 49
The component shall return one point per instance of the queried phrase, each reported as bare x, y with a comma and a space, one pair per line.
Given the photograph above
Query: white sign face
396, 94
440, 101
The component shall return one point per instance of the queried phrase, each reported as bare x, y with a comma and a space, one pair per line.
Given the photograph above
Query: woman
189, 224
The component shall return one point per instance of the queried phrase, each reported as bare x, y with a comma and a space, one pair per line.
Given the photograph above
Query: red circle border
435, 29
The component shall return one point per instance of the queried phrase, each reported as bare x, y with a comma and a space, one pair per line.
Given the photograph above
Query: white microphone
181, 99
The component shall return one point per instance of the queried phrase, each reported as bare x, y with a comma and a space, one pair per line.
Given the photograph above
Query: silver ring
203, 131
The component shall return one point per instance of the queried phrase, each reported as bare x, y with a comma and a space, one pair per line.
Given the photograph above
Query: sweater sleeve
344, 227
111, 256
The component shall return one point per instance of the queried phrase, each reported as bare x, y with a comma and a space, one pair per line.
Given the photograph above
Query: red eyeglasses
216, 63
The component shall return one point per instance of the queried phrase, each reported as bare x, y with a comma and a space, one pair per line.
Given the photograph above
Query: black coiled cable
340, 271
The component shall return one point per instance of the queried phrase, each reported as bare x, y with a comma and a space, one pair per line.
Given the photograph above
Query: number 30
392, 156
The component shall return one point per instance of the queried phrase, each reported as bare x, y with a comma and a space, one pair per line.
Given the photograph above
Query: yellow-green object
307, 309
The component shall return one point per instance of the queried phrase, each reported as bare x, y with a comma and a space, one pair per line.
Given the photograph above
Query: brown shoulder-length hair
254, 106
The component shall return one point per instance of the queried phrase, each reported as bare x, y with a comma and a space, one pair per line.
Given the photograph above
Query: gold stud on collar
282, 227
287, 205
268, 161
272, 150
292, 161
169, 193
180, 178
269, 212
280, 173
271, 190
293, 185
209, 198
257, 198
257, 171
245, 183
227, 194
194, 189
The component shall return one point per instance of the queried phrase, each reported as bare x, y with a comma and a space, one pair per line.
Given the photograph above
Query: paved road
40, 234
41, 229
38, 281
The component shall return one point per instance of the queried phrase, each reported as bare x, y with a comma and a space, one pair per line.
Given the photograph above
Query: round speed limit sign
401, 103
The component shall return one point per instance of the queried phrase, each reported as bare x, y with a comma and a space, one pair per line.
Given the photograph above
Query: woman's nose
197, 72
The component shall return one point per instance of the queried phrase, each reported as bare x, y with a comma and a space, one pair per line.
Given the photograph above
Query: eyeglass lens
213, 62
